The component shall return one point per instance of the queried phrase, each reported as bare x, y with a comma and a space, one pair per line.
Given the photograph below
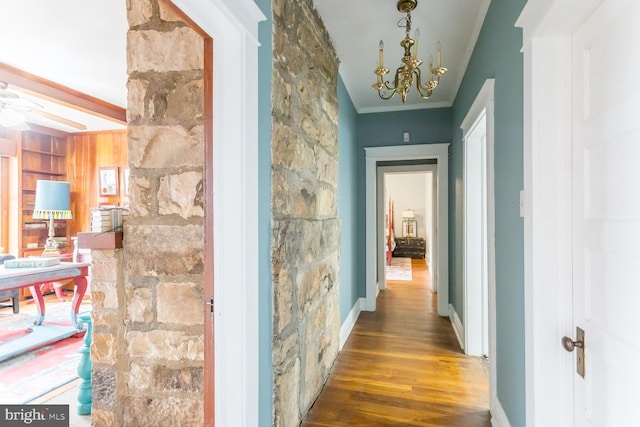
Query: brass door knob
570, 344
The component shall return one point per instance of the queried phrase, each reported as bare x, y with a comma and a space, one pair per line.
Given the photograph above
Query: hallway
402, 366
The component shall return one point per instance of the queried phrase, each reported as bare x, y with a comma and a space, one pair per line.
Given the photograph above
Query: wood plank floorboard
402, 366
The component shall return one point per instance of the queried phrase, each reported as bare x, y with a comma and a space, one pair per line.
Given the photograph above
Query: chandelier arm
419, 85
393, 90
386, 98
385, 88
396, 80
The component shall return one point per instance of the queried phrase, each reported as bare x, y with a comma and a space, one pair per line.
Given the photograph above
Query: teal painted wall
265, 370
497, 55
347, 191
431, 126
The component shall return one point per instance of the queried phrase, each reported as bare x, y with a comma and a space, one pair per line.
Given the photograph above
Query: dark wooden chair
13, 294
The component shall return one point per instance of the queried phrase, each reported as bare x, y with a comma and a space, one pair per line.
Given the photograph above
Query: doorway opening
439, 153
235, 184
477, 330
407, 216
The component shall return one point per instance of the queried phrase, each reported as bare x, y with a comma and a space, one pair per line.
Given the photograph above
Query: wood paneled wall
8, 190
86, 154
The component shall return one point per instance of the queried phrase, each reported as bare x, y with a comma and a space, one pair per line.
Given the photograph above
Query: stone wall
306, 231
107, 292
148, 348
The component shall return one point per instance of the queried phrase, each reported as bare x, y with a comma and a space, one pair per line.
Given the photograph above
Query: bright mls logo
34, 415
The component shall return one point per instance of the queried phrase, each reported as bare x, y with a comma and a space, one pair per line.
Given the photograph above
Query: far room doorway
407, 214
374, 158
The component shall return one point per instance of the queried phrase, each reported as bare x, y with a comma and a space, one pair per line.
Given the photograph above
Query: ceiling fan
14, 110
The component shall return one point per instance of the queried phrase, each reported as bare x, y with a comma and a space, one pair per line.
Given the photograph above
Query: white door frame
475, 241
547, 29
381, 201
481, 109
373, 155
233, 25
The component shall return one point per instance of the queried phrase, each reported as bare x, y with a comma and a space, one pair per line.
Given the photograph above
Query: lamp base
50, 252
51, 246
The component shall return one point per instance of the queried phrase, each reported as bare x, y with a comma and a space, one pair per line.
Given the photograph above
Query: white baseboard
457, 325
498, 416
350, 321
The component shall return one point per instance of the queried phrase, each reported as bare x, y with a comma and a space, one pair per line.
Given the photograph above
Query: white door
476, 241
606, 213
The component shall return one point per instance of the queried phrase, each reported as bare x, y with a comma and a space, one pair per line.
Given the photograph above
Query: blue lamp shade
52, 200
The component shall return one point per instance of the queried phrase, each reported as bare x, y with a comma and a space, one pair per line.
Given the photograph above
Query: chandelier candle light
410, 71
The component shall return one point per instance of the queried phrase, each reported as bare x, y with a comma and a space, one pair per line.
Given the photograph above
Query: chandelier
410, 71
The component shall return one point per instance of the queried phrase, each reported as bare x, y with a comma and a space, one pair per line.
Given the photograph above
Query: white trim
457, 325
407, 107
247, 14
483, 105
380, 176
373, 155
381, 274
350, 321
498, 416
485, 96
471, 294
233, 26
548, 26
243, 15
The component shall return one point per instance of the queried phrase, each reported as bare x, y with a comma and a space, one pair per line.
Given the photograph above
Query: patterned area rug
400, 269
32, 374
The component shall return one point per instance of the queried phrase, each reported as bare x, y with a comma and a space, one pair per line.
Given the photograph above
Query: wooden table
16, 278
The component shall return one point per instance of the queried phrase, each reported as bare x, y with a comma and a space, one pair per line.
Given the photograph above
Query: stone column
148, 311
164, 235
306, 232
107, 295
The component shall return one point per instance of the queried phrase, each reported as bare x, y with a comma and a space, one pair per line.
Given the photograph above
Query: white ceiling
81, 44
356, 27
76, 43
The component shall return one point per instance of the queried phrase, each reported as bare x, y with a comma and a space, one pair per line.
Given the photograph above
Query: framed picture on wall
108, 181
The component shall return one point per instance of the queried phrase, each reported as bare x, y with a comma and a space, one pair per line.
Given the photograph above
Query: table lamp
52, 202
409, 214
409, 223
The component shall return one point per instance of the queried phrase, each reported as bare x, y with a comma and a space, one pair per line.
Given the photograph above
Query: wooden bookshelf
41, 156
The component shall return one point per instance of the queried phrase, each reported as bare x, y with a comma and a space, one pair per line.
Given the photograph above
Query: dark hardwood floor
402, 366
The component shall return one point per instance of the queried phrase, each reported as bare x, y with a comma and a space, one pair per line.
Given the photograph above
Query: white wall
430, 186
408, 191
